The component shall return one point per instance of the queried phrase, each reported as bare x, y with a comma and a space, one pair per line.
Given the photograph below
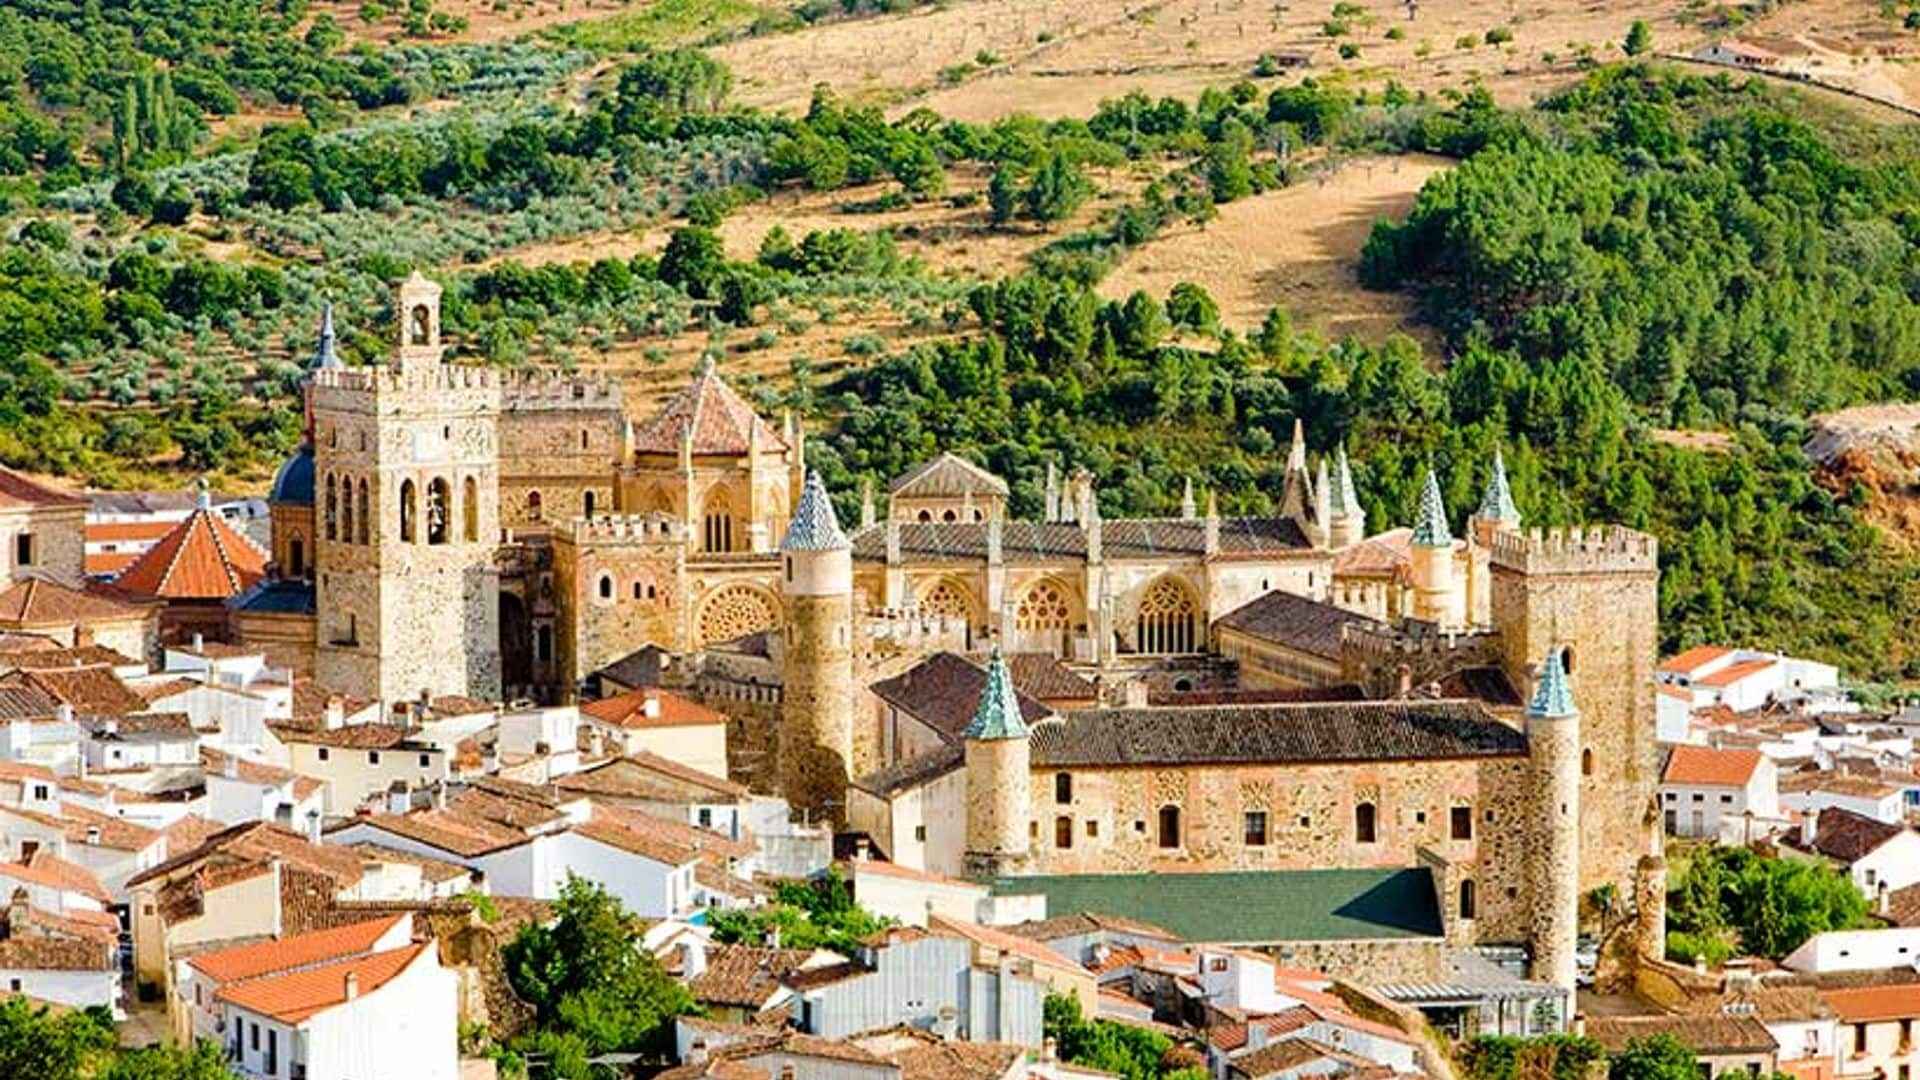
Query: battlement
1414, 637
389, 378
625, 529
1607, 549
545, 388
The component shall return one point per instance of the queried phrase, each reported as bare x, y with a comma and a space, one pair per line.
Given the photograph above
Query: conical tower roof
718, 419
1430, 529
814, 526
326, 353
998, 716
1552, 697
1496, 502
1345, 499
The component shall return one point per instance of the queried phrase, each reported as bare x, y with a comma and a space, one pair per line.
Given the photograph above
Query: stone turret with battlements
1553, 748
816, 714
999, 784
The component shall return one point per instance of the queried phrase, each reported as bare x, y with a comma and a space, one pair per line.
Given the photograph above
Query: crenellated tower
1553, 747
999, 782
816, 709
406, 490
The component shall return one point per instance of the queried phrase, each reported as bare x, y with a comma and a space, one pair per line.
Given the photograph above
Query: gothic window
1169, 827
1466, 898
1364, 829
362, 515
1063, 832
1166, 620
949, 600
333, 508
639, 590
409, 507
439, 495
925, 516
948, 517
470, 508
1044, 607
716, 514
734, 612
296, 558
533, 506
420, 325
346, 511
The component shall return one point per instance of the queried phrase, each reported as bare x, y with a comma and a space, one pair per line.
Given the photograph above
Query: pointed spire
998, 715
1552, 697
814, 527
1052, 497
326, 353
866, 502
1322, 495
1187, 509
1496, 502
1345, 500
1430, 530
203, 498
1297, 455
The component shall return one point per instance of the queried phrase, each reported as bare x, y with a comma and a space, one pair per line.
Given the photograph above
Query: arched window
439, 510
734, 612
409, 508
1063, 788
949, 599
716, 515
1364, 829
1586, 761
948, 516
470, 508
543, 643
1466, 898
606, 586
588, 502
332, 514
1166, 620
363, 515
1043, 618
1169, 827
533, 506
296, 558
639, 590
420, 325
346, 511
1063, 832
926, 517
653, 593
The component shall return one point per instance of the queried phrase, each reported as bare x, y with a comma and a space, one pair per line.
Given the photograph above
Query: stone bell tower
406, 489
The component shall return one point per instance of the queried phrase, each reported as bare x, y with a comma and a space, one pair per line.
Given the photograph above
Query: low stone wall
1369, 962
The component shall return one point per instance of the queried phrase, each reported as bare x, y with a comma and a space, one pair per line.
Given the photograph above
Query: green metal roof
1552, 697
998, 716
1252, 907
1345, 500
1496, 502
1430, 530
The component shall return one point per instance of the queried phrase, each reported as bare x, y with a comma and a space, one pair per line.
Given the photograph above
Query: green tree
1003, 194
1193, 307
808, 915
1657, 1057
1639, 38
693, 261
36, 1043
167, 1062
1057, 189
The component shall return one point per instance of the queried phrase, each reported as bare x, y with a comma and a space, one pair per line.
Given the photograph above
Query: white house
138, 741
658, 721
1880, 856
362, 761
1864, 795
113, 849
1744, 679
1857, 950
58, 960
392, 1013
910, 896
239, 790
199, 979
1709, 793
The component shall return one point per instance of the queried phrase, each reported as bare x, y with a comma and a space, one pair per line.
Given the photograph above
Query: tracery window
1167, 619
734, 612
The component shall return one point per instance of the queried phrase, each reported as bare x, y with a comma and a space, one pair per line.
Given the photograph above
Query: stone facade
622, 579
1554, 855
1000, 829
47, 540
560, 441
816, 710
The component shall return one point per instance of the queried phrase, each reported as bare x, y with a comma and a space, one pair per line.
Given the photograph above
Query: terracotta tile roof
49, 871
435, 871
310, 703
1327, 732
1697, 657
1847, 836
112, 532
83, 826
18, 702
1836, 783
943, 691
617, 831
650, 776
37, 601
39, 659
20, 770
907, 873
18, 491
745, 976
36, 952
1295, 622
1675, 692
189, 832
1088, 922
256, 772
1002, 941
909, 773
1288, 1056
630, 710
948, 476
1701, 765
300, 995
92, 691
463, 834
1045, 677
354, 736
456, 705
203, 558
1733, 673
1704, 1035
257, 842
958, 1061
299, 951
1048, 541
106, 564
1380, 556
719, 419
1868, 1003
138, 726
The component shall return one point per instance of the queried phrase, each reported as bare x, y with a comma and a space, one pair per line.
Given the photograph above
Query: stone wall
560, 438
1369, 962
816, 723
621, 585
58, 543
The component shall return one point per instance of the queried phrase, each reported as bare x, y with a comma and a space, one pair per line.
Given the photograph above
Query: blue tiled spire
998, 716
814, 527
1496, 502
1430, 530
325, 354
1552, 697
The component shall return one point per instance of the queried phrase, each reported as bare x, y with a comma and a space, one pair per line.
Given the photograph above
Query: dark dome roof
294, 482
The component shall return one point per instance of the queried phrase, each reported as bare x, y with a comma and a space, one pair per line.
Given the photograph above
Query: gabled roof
82, 826
1697, 657
651, 777
203, 558
1320, 732
1849, 837
51, 871
630, 710
1295, 622
948, 476
1863, 1004
261, 842
38, 601
300, 951
998, 715
18, 491
719, 419
300, 995
1704, 1035
745, 976
1706, 766
1734, 672
943, 691
814, 526
1002, 941
94, 691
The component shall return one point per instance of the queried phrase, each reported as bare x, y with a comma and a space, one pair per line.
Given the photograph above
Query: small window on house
323, 753
920, 834
40, 791
23, 549
1063, 788
1364, 828
1859, 1038
1169, 826
638, 590
1216, 963
1466, 898
1063, 832
1462, 822
1486, 817
1726, 800
1419, 817
426, 760
786, 1072
606, 586
587, 503
1253, 828
706, 817
373, 757
253, 1035
1093, 828
14, 985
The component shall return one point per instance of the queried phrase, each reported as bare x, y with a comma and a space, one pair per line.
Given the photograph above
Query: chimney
352, 985
862, 849
17, 913
199, 641
697, 1052
650, 707
1256, 1035
1882, 900
63, 713
693, 957
229, 766
1809, 826
335, 715
82, 636
313, 826
93, 835
1579, 1025
1049, 1050
399, 799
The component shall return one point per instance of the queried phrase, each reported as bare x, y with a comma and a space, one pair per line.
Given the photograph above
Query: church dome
294, 482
